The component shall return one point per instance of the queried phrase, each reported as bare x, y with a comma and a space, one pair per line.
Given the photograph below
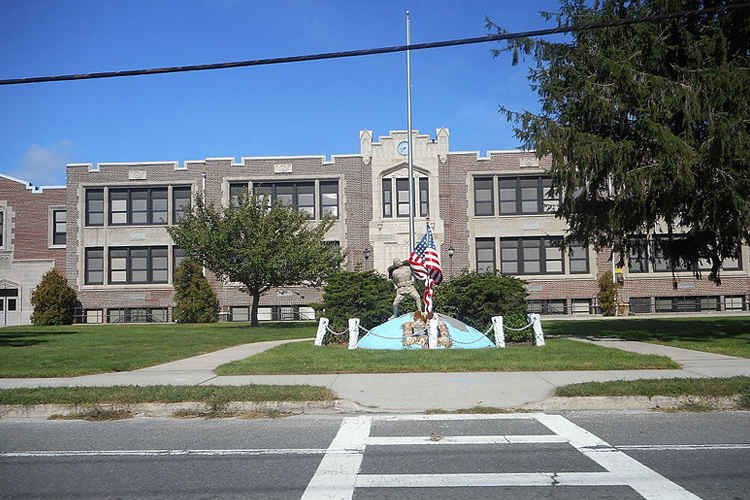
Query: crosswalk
338, 474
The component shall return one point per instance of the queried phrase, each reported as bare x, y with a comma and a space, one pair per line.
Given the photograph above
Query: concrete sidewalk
410, 391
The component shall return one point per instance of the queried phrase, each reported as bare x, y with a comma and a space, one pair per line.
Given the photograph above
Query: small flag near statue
425, 265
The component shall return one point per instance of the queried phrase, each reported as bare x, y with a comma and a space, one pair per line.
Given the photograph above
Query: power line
367, 52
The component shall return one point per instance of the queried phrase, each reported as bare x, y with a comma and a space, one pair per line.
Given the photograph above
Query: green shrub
54, 300
364, 295
607, 294
475, 297
195, 300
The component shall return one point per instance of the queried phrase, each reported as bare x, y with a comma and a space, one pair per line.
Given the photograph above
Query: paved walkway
409, 391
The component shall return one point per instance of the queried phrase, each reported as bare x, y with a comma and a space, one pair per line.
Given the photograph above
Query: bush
54, 300
607, 294
195, 300
364, 295
475, 297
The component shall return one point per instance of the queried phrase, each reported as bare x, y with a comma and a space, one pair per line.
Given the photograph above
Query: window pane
120, 218
387, 198
119, 276
509, 253
483, 200
333, 211
118, 263
96, 205
159, 276
529, 207
60, 215
424, 197
139, 218
578, 266
531, 267
553, 253
139, 276
554, 266
119, 205
237, 194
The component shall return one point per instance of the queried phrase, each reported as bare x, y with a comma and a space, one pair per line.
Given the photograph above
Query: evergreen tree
54, 300
646, 125
258, 245
195, 300
364, 295
607, 294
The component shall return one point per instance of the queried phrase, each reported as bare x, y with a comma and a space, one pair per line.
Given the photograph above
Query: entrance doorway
8, 306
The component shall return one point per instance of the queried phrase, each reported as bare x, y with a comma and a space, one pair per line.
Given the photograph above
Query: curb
632, 403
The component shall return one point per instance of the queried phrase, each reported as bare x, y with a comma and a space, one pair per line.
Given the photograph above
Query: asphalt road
575, 455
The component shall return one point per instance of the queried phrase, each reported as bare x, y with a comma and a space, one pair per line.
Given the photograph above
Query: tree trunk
255, 294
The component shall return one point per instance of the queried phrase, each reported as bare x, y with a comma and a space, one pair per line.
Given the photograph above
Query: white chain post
353, 332
497, 326
433, 333
536, 320
322, 326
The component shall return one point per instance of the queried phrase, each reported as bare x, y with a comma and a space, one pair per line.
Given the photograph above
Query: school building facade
106, 230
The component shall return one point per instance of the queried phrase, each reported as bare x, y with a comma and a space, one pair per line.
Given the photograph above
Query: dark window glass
2, 227
138, 265
94, 266
159, 206
159, 265
94, 207
527, 195
531, 256
530, 199
485, 255
387, 198
178, 254
484, 201
424, 197
305, 200
661, 263
638, 259
300, 195
180, 202
329, 198
553, 306
137, 206
579, 258
402, 197
237, 194
59, 227
640, 305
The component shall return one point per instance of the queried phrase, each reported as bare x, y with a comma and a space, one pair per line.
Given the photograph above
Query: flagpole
408, 118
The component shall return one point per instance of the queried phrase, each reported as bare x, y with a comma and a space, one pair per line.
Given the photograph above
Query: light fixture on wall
366, 253
451, 252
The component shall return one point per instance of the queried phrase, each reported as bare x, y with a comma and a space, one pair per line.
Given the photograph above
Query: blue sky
291, 109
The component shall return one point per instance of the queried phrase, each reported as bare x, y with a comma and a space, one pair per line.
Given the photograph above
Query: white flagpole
408, 115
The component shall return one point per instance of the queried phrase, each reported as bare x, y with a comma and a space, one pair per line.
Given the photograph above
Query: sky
308, 108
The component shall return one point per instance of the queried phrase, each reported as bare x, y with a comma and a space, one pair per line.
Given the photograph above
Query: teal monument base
405, 333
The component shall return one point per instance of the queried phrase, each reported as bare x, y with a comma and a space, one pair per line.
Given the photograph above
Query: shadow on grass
275, 326
24, 338
692, 329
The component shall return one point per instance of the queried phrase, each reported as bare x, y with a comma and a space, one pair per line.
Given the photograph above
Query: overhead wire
367, 52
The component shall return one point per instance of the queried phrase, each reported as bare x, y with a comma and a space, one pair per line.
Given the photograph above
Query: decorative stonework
283, 168
417, 333
137, 175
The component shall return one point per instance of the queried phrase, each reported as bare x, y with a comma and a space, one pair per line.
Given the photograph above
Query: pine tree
195, 300
54, 300
646, 125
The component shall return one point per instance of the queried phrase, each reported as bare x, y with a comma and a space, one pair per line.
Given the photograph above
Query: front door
8, 306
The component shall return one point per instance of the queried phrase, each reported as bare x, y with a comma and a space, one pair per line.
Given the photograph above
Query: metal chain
488, 330
336, 333
518, 329
362, 328
467, 343
385, 337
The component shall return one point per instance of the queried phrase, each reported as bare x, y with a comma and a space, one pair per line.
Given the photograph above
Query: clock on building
403, 148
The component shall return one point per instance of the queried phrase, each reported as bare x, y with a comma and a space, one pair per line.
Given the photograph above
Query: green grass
558, 354
705, 387
211, 394
61, 351
719, 335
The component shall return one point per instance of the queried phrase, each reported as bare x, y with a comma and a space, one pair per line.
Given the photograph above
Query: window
527, 195
94, 207
329, 198
240, 313
180, 202
486, 255
424, 197
558, 306
138, 265
59, 227
138, 315
638, 258
661, 263
581, 306
93, 316
531, 256
728, 264
578, 256
736, 303
94, 266
484, 201
237, 194
687, 304
2, 227
137, 206
387, 198
640, 305
402, 197
300, 195
178, 256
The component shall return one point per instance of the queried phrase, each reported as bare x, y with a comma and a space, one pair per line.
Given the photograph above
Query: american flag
425, 265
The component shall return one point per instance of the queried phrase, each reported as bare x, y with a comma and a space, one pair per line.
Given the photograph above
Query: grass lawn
60, 351
708, 387
720, 335
558, 354
164, 394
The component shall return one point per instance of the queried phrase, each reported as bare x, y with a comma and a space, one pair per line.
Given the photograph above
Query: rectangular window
531, 256
59, 227
300, 195
138, 315
387, 198
94, 266
484, 201
137, 206
556, 306
736, 303
640, 305
581, 306
2, 227
329, 198
305, 201
180, 202
527, 195
661, 262
638, 258
578, 259
138, 265
402, 197
94, 207
486, 255
237, 194
241, 313
93, 316
178, 256
728, 264
424, 197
